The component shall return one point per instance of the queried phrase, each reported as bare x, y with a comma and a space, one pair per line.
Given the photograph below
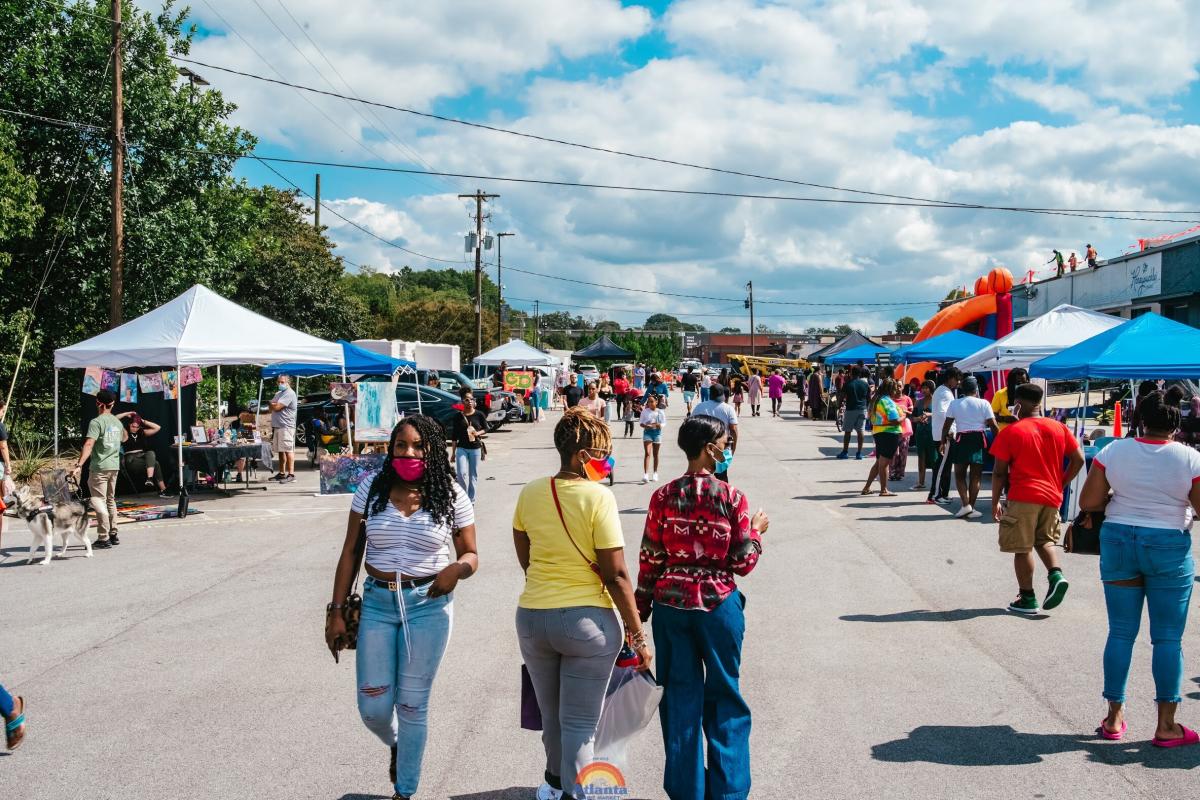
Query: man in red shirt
1030, 455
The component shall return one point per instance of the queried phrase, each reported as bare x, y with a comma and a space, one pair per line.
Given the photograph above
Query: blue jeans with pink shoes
1162, 557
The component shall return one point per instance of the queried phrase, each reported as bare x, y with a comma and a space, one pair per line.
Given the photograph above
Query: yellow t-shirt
1000, 407
558, 576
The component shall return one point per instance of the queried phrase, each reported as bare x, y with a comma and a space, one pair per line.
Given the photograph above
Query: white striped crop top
415, 545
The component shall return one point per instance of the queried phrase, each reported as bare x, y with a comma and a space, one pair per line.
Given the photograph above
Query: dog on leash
65, 517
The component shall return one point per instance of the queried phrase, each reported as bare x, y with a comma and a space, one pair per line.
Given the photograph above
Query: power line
643, 189
78, 10
924, 201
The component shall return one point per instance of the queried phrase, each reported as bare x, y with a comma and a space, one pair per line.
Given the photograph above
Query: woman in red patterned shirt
699, 534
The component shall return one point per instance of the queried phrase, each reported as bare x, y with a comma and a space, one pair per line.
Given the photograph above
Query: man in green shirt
103, 446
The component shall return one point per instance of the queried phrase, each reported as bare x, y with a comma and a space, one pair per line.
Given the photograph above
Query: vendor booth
515, 353
864, 352
1057, 329
199, 328
943, 348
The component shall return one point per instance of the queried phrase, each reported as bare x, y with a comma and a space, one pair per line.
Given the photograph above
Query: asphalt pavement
879, 660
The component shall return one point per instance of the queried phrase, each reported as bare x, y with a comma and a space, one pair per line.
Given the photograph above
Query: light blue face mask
723, 466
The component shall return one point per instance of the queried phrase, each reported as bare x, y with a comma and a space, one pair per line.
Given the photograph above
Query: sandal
1189, 737
14, 729
888, 494
1112, 735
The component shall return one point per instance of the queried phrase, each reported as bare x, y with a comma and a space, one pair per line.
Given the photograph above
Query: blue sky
892, 96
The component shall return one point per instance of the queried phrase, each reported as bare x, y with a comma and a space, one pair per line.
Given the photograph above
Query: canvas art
343, 393
91, 380
189, 375
170, 385
150, 381
375, 411
110, 380
129, 387
342, 474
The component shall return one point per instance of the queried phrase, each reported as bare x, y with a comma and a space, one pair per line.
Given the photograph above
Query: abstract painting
129, 387
91, 380
170, 385
375, 412
342, 474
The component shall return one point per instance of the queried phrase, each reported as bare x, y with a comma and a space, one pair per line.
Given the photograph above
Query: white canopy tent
1062, 327
516, 353
199, 328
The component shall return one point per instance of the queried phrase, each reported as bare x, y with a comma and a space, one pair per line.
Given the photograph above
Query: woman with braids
568, 539
413, 508
699, 534
886, 417
1149, 490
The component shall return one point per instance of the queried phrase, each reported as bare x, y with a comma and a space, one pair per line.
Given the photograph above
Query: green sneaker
1024, 605
1058, 590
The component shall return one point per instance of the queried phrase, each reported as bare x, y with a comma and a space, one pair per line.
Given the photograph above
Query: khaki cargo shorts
1028, 525
283, 439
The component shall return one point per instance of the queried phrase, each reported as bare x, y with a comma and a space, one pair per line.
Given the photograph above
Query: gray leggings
569, 653
139, 462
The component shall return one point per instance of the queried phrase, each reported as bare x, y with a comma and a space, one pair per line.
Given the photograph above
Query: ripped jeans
395, 671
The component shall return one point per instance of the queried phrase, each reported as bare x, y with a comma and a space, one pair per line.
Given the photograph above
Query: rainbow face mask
597, 469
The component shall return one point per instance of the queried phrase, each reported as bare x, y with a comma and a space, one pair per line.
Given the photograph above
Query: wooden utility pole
117, 266
499, 285
479, 197
750, 305
537, 324
317, 205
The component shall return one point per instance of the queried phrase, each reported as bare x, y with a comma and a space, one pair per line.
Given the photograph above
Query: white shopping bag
632, 699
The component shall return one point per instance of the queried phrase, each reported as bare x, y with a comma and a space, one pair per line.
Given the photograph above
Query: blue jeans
467, 464
704, 394
395, 676
699, 656
1162, 557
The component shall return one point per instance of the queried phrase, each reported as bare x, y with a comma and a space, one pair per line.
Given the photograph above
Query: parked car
589, 372
489, 399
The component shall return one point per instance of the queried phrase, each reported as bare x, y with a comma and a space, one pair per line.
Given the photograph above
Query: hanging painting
170, 385
375, 411
129, 387
150, 382
91, 380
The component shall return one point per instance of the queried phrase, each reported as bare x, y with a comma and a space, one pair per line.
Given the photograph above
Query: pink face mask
409, 469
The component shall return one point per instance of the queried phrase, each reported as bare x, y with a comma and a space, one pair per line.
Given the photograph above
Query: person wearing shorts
652, 420
690, 381
886, 418
283, 430
972, 416
1030, 454
856, 394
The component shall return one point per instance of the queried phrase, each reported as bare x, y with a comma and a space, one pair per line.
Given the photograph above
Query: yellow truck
765, 364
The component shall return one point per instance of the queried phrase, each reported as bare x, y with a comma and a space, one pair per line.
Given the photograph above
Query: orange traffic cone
1117, 420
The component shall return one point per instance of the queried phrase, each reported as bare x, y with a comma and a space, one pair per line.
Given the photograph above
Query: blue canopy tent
950, 346
863, 352
358, 361
1146, 348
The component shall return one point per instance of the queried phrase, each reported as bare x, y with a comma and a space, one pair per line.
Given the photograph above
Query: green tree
843, 330
730, 330
907, 325
608, 326
666, 322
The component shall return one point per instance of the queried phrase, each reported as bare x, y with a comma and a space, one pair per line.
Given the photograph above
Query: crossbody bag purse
351, 609
592, 565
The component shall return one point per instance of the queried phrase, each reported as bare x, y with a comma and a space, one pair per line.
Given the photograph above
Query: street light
194, 79
499, 285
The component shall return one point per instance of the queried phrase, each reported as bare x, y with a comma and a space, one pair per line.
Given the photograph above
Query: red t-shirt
620, 387
1036, 449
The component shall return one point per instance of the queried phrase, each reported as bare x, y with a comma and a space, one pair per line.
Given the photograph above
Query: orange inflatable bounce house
987, 313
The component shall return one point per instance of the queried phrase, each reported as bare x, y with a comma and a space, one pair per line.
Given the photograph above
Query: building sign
519, 381
1145, 275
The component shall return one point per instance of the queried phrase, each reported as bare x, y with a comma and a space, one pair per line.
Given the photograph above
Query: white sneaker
964, 512
645, 477
547, 792
974, 513
655, 477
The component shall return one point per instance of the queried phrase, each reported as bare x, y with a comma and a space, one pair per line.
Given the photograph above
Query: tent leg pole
417, 384
56, 416
257, 420
1087, 400
349, 427
218, 397
179, 428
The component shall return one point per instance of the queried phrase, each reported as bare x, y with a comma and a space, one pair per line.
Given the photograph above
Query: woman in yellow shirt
568, 538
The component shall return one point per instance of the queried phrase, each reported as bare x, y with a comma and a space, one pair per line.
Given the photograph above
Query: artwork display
91, 380
375, 411
342, 474
170, 385
199, 436
150, 382
189, 375
110, 380
343, 392
519, 381
129, 387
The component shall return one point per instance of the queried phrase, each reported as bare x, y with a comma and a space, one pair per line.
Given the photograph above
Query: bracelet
333, 607
638, 639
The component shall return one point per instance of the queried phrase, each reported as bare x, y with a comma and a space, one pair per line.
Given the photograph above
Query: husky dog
65, 517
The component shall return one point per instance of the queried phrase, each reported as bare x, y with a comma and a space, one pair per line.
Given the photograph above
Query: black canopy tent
852, 339
603, 349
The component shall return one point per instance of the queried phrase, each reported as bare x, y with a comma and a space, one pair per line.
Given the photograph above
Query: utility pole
499, 285
479, 197
750, 305
537, 324
317, 205
117, 266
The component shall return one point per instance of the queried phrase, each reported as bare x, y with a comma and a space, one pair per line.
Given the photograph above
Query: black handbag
352, 608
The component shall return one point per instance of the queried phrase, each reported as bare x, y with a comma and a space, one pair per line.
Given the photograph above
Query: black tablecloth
210, 459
